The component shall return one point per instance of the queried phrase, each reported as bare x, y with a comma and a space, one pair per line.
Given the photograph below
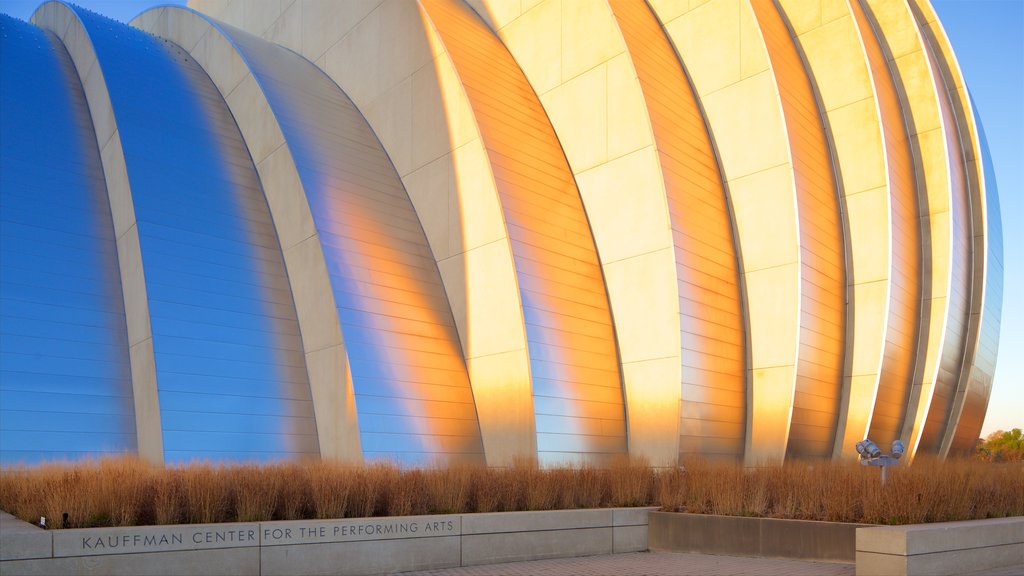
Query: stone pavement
651, 564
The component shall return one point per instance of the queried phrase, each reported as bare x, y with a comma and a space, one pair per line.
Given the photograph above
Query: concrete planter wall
945, 548
757, 537
354, 546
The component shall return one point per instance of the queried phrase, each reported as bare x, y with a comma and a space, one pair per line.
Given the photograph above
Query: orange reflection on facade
978, 366
822, 253
577, 389
713, 405
905, 273
958, 309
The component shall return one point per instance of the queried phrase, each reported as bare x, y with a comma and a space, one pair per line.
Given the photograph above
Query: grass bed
126, 491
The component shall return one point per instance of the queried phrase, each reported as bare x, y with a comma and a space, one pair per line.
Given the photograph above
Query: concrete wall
941, 548
354, 546
757, 537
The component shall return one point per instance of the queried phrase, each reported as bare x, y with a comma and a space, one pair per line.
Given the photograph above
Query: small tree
1001, 446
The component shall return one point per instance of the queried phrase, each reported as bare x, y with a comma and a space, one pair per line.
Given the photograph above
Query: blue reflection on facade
412, 392
988, 341
65, 381
230, 371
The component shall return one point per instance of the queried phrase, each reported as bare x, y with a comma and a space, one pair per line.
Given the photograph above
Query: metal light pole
870, 455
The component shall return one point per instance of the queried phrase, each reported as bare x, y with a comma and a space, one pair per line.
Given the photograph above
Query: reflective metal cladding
65, 383
230, 375
435, 233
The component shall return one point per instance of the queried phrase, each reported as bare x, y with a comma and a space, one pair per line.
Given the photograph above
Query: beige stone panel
334, 404
939, 247
461, 125
860, 383
359, 76
477, 220
396, 123
258, 15
919, 86
255, 119
922, 389
497, 13
873, 299
669, 10
188, 27
578, 109
115, 173
214, 53
833, 10
539, 60
313, 298
774, 307
404, 48
855, 411
746, 122
102, 115
292, 218
504, 405
899, 30
771, 405
429, 189
625, 201
233, 13
136, 302
857, 134
868, 221
645, 305
429, 136
753, 54
324, 22
76, 41
629, 126
590, 36
803, 15
495, 321
47, 12
146, 402
154, 19
764, 208
834, 55
287, 29
937, 252
212, 8
652, 408
707, 39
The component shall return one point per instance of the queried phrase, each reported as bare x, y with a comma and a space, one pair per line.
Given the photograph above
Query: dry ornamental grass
127, 491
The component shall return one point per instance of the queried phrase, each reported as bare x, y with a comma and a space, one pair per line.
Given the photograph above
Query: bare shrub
449, 490
207, 497
256, 492
632, 481
126, 491
330, 485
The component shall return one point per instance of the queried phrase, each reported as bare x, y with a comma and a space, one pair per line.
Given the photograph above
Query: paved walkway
651, 564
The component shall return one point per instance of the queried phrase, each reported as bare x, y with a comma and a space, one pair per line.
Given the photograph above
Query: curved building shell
475, 230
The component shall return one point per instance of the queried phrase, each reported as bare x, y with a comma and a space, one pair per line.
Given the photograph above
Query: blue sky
988, 38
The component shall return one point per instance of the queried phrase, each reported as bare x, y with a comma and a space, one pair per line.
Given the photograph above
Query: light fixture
871, 455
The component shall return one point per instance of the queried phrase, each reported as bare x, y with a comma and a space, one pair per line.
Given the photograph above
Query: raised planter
354, 546
941, 548
754, 537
